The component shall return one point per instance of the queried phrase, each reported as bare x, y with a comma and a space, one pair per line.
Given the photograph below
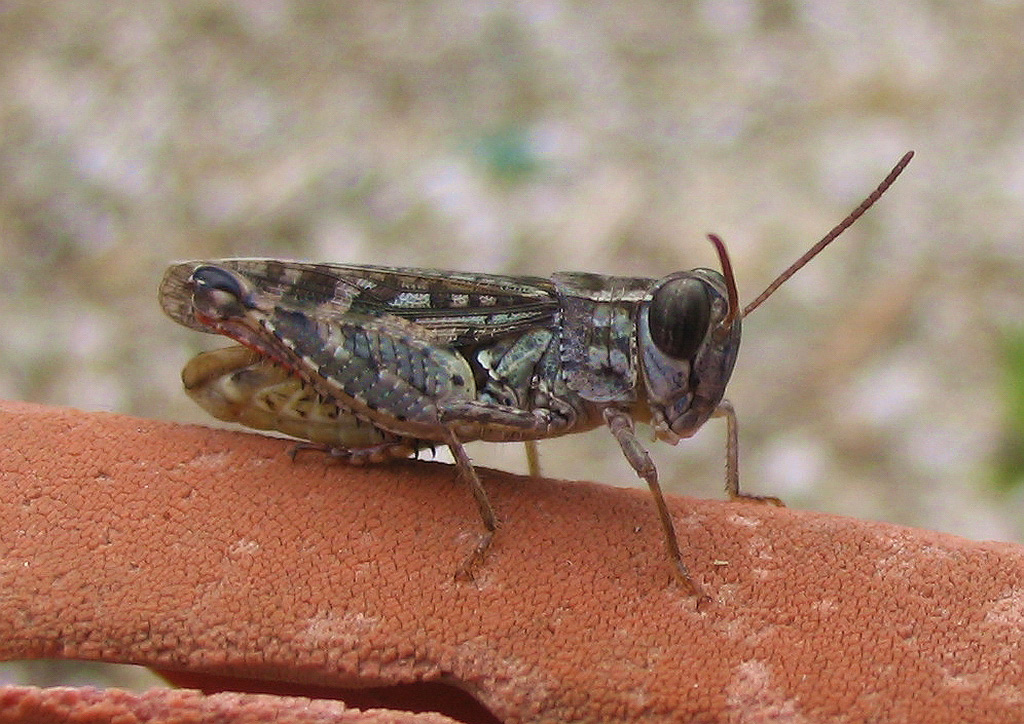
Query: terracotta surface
29, 704
206, 551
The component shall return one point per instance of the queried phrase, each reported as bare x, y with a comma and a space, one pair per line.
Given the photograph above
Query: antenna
830, 236
730, 283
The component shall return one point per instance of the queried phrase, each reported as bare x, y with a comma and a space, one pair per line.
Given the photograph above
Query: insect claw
464, 572
303, 446
767, 499
703, 601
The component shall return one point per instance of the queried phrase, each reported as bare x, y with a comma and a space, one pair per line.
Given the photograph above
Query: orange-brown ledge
212, 555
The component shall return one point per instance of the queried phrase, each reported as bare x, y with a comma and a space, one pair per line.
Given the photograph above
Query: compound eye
678, 318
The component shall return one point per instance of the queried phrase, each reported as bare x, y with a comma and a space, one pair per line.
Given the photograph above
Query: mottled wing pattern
456, 308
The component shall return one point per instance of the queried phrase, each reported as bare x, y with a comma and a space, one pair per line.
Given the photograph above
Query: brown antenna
730, 283
830, 236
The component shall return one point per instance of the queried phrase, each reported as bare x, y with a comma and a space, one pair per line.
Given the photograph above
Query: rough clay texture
24, 704
199, 550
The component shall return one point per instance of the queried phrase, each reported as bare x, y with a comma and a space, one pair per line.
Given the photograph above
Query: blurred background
885, 381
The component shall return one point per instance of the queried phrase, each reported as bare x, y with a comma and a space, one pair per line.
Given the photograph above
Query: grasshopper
373, 363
